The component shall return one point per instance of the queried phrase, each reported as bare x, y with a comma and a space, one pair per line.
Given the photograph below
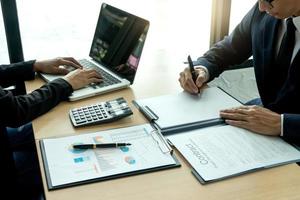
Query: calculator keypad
100, 113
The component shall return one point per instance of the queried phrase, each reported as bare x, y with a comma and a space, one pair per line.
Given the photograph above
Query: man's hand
54, 66
253, 118
186, 80
82, 77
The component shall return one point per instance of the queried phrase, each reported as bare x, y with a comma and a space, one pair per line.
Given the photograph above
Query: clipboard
51, 149
180, 112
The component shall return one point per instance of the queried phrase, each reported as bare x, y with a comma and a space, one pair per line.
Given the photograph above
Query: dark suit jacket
18, 110
257, 35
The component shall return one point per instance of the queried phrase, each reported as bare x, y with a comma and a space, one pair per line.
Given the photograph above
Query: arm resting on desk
21, 71
18, 110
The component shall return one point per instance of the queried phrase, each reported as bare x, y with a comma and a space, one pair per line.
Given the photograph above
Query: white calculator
101, 112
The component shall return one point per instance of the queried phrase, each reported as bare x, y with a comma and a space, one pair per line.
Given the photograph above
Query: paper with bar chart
65, 165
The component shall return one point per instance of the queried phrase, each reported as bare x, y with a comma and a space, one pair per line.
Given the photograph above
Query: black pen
105, 145
192, 69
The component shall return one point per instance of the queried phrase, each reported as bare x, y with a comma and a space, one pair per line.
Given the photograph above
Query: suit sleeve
291, 127
232, 50
18, 110
19, 71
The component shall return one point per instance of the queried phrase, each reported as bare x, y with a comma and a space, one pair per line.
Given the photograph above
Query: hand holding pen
192, 70
191, 79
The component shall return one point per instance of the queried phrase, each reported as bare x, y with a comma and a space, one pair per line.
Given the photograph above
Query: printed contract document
219, 152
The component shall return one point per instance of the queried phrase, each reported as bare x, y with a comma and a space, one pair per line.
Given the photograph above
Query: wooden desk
156, 77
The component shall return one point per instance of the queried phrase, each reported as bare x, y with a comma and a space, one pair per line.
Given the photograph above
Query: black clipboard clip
149, 114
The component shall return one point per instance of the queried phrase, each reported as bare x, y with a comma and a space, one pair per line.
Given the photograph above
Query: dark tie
282, 65
287, 46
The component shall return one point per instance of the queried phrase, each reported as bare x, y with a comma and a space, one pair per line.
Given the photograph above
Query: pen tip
128, 144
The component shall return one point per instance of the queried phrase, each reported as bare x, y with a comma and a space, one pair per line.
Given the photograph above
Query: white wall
239, 9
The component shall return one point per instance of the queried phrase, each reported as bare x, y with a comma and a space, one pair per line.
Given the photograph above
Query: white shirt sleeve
206, 72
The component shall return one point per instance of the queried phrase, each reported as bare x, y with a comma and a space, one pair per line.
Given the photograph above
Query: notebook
65, 166
115, 51
183, 111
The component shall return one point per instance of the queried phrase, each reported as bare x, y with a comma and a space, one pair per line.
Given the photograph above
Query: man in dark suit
269, 33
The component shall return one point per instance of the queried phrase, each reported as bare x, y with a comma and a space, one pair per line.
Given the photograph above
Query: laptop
115, 51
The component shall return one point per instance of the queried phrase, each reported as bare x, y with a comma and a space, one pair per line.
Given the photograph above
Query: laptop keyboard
108, 79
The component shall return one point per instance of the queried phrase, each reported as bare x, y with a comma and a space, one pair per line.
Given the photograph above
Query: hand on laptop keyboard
82, 77
54, 66
69, 68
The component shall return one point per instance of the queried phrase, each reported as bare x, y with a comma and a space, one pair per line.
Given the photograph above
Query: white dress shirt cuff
206, 72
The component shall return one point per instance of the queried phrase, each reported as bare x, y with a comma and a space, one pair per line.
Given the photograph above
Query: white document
184, 108
224, 151
239, 83
67, 165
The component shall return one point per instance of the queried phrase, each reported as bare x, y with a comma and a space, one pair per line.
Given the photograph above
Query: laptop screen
118, 41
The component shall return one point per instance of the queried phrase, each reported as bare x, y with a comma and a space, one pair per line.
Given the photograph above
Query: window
65, 28
238, 10
4, 58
